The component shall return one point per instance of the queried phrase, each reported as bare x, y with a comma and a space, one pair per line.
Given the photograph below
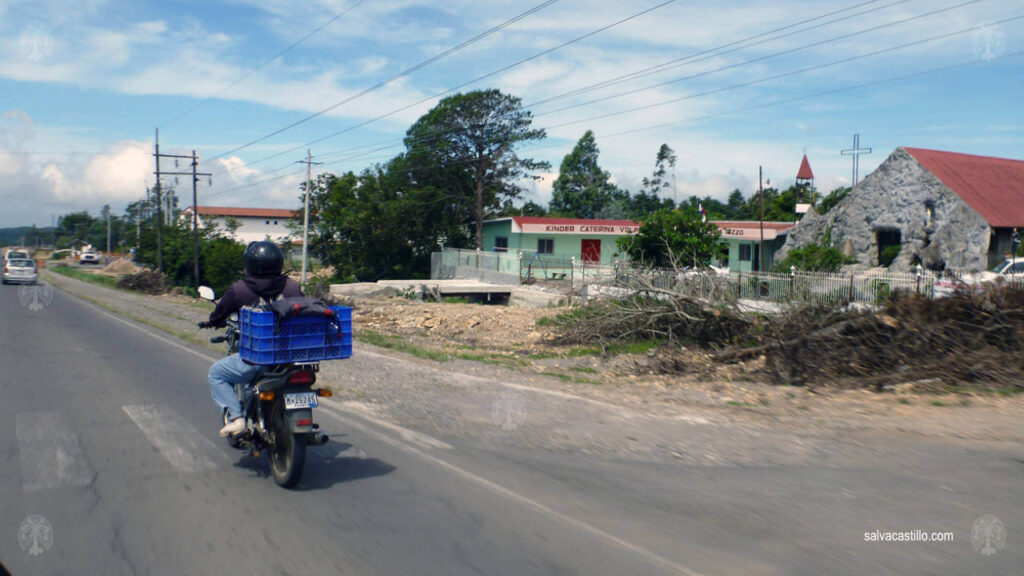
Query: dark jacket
248, 291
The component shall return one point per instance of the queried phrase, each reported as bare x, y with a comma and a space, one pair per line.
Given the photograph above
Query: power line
762, 58
473, 81
675, 63
398, 76
818, 94
545, 52
720, 50
260, 66
778, 76
774, 103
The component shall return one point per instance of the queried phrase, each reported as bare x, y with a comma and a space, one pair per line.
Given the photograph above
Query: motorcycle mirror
206, 293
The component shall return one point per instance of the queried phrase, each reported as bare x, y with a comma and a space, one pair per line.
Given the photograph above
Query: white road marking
50, 453
360, 409
179, 442
524, 500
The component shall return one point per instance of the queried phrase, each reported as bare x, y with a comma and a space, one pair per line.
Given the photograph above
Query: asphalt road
108, 434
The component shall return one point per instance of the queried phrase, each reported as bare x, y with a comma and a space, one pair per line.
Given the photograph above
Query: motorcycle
278, 407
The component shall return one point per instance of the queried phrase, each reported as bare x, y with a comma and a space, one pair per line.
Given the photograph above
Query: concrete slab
516, 296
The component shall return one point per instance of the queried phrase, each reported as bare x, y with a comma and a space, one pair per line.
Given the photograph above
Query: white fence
579, 278
796, 287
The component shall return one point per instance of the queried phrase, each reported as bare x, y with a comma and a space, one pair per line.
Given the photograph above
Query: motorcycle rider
264, 281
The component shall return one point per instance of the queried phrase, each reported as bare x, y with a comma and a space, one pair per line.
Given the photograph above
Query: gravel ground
702, 424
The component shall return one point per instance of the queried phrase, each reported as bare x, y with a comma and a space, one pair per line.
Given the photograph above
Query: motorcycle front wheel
288, 453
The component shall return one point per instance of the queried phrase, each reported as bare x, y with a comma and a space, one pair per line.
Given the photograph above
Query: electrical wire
265, 63
398, 76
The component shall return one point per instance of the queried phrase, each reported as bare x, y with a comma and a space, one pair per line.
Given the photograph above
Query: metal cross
856, 151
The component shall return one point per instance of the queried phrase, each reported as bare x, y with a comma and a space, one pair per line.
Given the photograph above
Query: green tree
665, 161
582, 188
477, 133
673, 237
734, 207
833, 198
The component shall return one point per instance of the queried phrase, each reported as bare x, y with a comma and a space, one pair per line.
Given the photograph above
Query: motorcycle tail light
302, 377
304, 422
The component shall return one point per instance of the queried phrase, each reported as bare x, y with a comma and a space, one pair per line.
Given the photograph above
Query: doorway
889, 242
591, 251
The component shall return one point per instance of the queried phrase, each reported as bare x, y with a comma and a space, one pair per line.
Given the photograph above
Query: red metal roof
992, 187
805, 173
520, 220
242, 212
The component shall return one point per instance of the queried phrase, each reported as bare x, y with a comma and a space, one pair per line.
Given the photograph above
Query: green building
558, 240
744, 241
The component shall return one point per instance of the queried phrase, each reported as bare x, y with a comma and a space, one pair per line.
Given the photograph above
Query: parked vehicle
89, 257
23, 271
1012, 267
278, 407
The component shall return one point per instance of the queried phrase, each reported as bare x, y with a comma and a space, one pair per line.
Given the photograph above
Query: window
275, 222
268, 221
744, 252
501, 244
545, 246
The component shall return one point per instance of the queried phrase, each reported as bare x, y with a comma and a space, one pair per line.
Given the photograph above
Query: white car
1010, 267
20, 270
89, 257
16, 254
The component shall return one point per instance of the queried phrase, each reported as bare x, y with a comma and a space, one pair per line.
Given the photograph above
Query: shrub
147, 281
888, 254
815, 257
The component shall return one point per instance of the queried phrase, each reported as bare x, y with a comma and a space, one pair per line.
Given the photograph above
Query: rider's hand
203, 325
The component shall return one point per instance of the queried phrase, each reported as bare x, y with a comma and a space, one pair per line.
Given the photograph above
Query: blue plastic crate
264, 340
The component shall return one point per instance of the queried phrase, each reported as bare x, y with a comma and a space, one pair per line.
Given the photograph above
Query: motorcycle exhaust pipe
318, 438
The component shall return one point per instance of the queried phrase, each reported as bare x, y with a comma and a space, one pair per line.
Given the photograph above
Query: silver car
20, 270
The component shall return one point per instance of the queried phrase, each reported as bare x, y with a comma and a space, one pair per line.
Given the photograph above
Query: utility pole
159, 216
305, 217
108, 234
195, 174
760, 198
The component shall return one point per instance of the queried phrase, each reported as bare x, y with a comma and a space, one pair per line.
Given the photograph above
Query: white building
253, 223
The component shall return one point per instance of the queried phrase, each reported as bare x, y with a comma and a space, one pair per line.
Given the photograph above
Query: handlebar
218, 339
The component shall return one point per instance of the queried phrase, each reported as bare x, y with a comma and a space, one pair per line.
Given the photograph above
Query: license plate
300, 400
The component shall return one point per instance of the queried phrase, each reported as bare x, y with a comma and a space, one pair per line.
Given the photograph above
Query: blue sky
83, 85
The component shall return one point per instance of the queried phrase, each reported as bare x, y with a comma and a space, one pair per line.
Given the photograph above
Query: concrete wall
252, 229
896, 196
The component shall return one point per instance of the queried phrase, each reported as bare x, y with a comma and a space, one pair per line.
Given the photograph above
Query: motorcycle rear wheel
288, 454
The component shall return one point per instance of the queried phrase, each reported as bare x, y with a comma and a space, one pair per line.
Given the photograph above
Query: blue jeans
224, 374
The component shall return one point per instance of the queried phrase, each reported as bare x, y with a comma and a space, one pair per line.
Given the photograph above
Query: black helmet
263, 259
